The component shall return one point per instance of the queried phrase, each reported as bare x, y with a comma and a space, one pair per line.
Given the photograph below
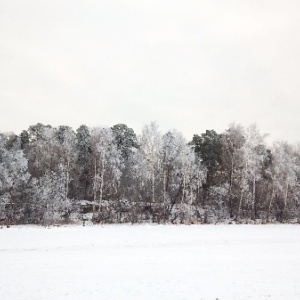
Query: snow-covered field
150, 262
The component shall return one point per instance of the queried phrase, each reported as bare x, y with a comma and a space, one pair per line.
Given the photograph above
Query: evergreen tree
83, 148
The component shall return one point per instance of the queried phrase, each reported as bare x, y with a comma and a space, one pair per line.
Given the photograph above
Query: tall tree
49, 196
42, 153
208, 148
67, 153
13, 178
148, 165
284, 173
83, 147
107, 165
126, 142
254, 153
233, 140
183, 174
125, 139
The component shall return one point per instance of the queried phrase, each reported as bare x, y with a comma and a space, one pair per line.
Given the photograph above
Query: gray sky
189, 65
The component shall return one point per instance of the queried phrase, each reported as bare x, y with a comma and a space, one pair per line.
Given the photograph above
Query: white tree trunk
101, 185
67, 179
271, 201
286, 193
153, 186
253, 196
95, 184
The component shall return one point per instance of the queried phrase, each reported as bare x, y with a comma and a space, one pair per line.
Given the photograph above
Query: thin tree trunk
270, 203
242, 193
165, 191
153, 186
253, 197
95, 184
183, 189
240, 206
101, 186
230, 185
286, 193
67, 179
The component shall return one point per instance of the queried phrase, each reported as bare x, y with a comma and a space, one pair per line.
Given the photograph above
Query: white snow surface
150, 262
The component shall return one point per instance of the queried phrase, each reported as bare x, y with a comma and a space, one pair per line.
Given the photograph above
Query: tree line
47, 172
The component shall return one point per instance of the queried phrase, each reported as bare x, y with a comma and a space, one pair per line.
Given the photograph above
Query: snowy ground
150, 262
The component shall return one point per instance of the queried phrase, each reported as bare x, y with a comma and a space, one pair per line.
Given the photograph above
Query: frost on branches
52, 175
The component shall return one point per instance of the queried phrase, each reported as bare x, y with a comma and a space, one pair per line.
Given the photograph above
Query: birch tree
107, 165
148, 164
67, 153
49, 195
14, 177
284, 175
253, 153
42, 151
233, 140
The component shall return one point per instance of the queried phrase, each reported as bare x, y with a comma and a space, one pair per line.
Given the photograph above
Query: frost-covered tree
42, 151
125, 139
169, 153
107, 165
126, 142
192, 176
167, 171
148, 163
183, 173
284, 174
66, 152
156, 176
208, 147
83, 149
24, 139
253, 155
13, 178
49, 193
233, 140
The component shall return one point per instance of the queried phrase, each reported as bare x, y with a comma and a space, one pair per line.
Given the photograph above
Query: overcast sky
189, 65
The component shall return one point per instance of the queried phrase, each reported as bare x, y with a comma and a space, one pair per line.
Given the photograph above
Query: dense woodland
233, 176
